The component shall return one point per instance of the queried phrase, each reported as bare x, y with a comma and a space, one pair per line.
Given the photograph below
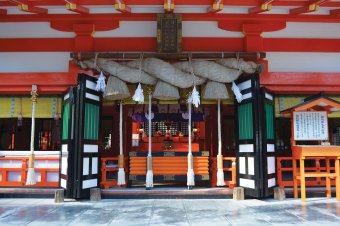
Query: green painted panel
91, 125
269, 121
245, 120
66, 112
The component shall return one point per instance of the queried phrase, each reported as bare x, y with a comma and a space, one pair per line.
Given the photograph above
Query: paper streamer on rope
237, 92
139, 95
100, 86
195, 97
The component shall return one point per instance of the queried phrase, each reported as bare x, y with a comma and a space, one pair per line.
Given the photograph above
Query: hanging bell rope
190, 173
149, 172
121, 172
220, 172
31, 177
139, 95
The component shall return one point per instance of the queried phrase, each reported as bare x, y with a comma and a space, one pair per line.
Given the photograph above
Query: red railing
14, 172
232, 162
284, 164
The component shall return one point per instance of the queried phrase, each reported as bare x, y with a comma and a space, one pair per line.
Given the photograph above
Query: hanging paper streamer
195, 97
237, 92
139, 95
101, 83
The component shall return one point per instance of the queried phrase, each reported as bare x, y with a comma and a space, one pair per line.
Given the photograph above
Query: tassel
194, 97
101, 83
138, 96
31, 178
149, 179
190, 178
237, 92
121, 176
220, 177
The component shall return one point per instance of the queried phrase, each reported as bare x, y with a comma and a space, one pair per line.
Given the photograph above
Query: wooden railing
282, 167
230, 161
13, 171
108, 165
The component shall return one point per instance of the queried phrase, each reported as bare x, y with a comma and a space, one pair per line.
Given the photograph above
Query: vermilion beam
48, 83
179, 2
149, 44
185, 17
3, 11
264, 7
335, 12
24, 5
216, 6
301, 82
311, 7
75, 7
121, 6
169, 6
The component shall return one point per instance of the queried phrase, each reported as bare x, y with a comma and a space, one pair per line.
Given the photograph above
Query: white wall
34, 62
303, 62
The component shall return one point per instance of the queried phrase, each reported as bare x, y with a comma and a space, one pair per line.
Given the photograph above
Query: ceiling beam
216, 6
266, 5
121, 6
75, 7
313, 5
3, 11
335, 12
169, 6
185, 17
25, 6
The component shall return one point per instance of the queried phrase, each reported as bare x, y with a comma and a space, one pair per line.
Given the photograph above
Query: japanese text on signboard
310, 126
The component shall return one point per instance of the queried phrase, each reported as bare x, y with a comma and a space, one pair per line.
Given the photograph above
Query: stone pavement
316, 211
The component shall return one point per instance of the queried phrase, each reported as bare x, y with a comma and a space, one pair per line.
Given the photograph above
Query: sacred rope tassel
149, 172
101, 83
139, 95
195, 97
190, 173
31, 178
121, 172
237, 92
220, 173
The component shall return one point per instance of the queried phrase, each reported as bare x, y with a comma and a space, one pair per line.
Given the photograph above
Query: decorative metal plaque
169, 33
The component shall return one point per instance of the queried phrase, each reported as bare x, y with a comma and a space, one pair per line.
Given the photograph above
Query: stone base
238, 193
279, 193
95, 194
59, 196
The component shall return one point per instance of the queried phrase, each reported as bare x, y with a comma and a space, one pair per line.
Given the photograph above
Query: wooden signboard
310, 125
169, 33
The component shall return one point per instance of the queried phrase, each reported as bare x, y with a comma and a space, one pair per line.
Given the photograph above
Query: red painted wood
181, 2
3, 11
48, 83
301, 82
301, 45
255, 18
257, 26
149, 44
